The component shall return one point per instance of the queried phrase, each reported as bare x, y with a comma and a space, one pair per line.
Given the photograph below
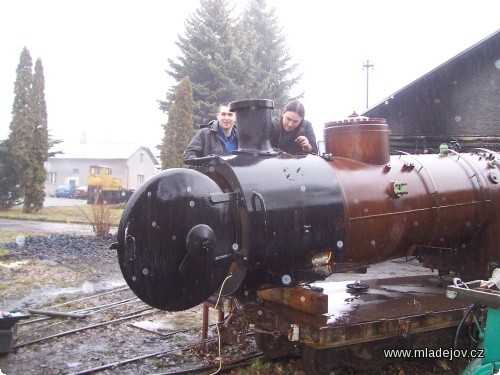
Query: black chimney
253, 121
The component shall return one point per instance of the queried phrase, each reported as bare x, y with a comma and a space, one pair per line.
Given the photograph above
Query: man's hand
304, 143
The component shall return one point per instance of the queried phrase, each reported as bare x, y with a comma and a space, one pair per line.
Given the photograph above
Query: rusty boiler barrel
441, 202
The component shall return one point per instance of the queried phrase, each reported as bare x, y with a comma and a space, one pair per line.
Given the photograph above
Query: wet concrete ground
401, 267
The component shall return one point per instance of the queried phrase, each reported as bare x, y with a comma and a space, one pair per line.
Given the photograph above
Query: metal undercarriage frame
387, 315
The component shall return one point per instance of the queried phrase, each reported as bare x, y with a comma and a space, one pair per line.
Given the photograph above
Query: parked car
79, 193
64, 191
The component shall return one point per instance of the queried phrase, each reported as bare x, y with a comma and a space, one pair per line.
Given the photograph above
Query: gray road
45, 227
50, 201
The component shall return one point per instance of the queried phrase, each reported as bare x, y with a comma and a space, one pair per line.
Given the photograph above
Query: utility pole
367, 66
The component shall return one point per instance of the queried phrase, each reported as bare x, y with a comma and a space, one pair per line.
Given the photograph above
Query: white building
133, 163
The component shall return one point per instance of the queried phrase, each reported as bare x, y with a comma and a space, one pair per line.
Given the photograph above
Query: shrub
101, 217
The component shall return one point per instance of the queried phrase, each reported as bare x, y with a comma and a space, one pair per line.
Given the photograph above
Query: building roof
103, 150
455, 102
491, 42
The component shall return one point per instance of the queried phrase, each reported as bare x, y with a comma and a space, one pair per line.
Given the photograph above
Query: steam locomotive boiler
261, 217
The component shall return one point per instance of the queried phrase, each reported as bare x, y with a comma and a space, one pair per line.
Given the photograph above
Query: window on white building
52, 177
140, 179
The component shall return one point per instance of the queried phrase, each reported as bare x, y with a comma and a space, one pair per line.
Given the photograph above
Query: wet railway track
116, 333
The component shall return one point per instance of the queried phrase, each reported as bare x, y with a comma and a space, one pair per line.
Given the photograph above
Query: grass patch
82, 268
157, 363
9, 236
60, 299
65, 214
3, 253
108, 352
256, 368
27, 276
26, 282
180, 338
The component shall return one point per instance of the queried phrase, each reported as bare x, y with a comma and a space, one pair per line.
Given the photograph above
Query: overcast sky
104, 60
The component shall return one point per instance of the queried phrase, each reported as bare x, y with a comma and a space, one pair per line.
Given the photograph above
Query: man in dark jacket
219, 137
292, 133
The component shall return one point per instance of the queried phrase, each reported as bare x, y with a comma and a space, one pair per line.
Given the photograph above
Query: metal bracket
224, 197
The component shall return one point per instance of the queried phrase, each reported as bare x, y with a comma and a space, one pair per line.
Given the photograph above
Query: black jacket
285, 141
205, 142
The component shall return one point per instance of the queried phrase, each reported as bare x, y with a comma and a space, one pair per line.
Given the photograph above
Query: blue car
64, 191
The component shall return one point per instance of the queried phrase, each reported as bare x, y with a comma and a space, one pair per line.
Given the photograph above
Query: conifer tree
40, 148
210, 57
28, 132
179, 128
9, 188
230, 60
22, 125
269, 48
